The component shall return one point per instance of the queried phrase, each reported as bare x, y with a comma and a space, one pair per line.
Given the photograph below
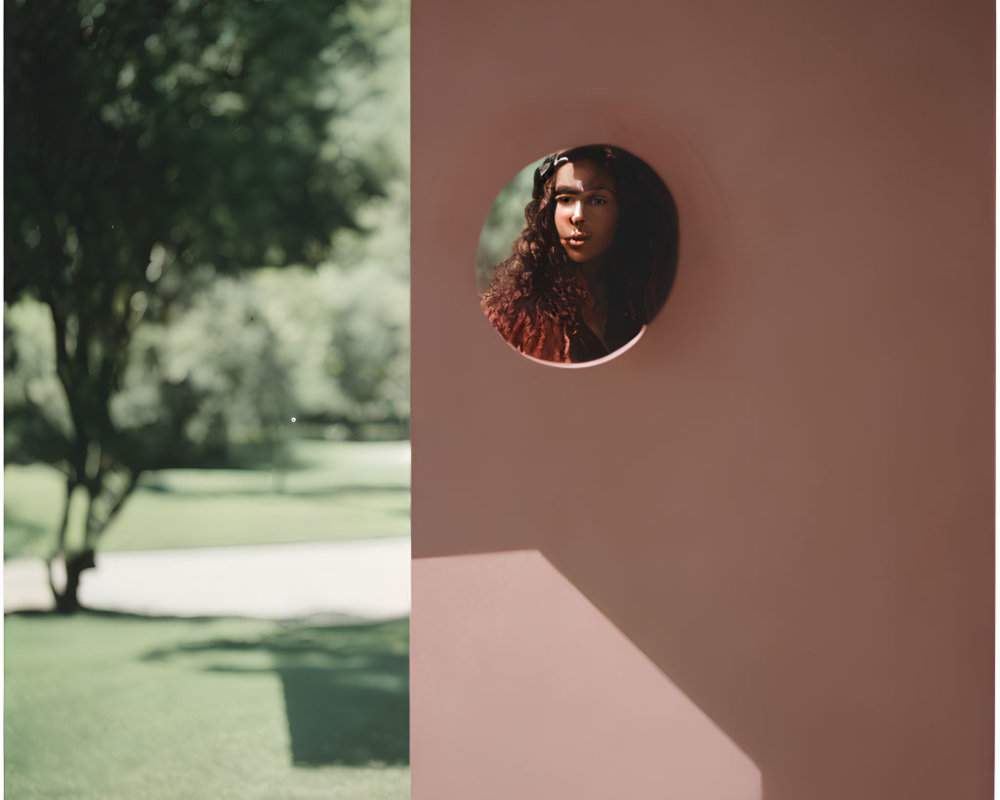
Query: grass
105, 707
334, 491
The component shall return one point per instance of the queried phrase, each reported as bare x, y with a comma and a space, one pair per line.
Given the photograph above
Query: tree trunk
66, 596
67, 600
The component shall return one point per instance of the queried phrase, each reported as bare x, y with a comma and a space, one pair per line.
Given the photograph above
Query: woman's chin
576, 254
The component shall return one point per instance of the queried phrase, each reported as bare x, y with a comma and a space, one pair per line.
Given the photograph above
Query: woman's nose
576, 214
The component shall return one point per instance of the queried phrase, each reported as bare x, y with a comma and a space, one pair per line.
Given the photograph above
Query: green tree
344, 328
148, 144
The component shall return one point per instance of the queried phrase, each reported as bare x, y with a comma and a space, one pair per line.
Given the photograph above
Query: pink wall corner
783, 494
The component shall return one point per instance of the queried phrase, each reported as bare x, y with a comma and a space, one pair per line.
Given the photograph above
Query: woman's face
586, 210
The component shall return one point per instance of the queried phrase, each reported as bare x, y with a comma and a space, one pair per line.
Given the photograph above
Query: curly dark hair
535, 299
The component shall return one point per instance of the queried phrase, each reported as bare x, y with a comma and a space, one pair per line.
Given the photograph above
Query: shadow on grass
322, 491
346, 687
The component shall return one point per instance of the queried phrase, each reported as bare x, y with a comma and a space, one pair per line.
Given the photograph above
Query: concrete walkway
368, 579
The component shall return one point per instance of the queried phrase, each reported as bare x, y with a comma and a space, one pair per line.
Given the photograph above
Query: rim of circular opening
625, 347
579, 364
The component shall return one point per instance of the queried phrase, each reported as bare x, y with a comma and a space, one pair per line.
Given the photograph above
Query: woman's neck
594, 274
595, 313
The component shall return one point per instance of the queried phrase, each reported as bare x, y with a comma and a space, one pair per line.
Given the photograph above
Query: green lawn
335, 490
103, 707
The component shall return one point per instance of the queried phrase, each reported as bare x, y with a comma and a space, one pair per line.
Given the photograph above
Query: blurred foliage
156, 151
503, 225
215, 370
36, 417
151, 135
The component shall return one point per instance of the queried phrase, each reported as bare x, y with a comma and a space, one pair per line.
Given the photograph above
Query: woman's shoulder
525, 328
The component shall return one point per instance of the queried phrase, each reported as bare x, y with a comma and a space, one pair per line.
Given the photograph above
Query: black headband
601, 153
549, 165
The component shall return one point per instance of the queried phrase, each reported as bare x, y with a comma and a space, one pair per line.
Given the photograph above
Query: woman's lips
577, 239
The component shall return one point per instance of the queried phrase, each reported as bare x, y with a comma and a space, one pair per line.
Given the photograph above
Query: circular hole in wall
578, 254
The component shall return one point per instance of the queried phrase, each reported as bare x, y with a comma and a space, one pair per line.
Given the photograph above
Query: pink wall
762, 538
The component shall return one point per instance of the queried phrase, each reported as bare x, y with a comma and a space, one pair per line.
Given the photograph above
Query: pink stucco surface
782, 496
572, 707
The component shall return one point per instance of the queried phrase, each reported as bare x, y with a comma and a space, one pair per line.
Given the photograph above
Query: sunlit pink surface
782, 494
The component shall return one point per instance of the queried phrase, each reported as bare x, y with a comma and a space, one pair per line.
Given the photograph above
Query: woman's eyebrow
573, 190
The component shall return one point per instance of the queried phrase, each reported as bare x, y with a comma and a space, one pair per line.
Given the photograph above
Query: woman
595, 261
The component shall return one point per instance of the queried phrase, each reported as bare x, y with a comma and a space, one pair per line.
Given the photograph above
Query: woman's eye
564, 199
599, 201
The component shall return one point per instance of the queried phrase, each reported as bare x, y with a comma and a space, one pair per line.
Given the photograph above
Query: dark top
540, 336
622, 327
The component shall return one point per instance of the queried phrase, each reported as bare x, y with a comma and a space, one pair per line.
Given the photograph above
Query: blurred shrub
503, 225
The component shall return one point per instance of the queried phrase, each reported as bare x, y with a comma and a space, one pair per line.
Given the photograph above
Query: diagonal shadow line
697, 698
